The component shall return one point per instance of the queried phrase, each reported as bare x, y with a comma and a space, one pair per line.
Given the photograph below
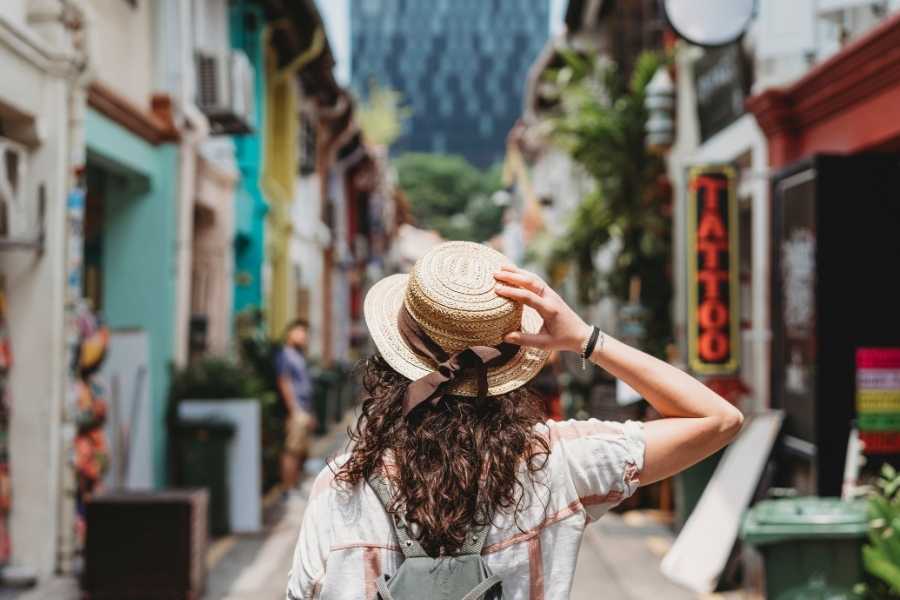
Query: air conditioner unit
827, 8
225, 90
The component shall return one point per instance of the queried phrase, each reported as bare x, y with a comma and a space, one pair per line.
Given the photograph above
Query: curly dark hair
457, 462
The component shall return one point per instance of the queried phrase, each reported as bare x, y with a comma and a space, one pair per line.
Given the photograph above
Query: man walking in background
295, 387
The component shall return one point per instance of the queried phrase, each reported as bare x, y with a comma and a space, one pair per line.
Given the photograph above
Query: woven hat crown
451, 295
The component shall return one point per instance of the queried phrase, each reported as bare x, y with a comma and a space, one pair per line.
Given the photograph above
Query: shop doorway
834, 253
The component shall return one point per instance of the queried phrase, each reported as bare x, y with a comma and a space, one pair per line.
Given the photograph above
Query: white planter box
244, 456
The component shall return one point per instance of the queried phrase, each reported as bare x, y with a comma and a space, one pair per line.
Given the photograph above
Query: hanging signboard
713, 315
722, 86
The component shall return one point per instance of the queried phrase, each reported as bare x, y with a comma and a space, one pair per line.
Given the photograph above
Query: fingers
533, 340
526, 296
522, 279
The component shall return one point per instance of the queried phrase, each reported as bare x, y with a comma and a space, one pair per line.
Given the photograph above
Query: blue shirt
291, 364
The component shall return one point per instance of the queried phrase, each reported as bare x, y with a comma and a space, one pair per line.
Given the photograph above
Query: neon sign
713, 315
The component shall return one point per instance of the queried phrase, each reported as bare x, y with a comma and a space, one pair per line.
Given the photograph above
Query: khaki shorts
298, 433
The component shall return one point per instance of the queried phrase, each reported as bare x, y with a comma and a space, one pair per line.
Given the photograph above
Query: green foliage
214, 378
381, 116
251, 376
881, 556
601, 123
448, 194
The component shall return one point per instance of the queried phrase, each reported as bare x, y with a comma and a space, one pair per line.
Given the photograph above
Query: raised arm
696, 422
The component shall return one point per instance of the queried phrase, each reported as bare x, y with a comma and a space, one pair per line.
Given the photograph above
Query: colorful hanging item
5, 486
91, 458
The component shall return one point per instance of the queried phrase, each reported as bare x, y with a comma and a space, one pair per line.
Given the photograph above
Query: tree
601, 122
381, 116
448, 194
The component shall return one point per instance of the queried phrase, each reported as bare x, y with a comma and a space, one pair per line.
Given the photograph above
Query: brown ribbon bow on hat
432, 387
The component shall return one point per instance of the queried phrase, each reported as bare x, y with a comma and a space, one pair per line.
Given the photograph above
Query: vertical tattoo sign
713, 315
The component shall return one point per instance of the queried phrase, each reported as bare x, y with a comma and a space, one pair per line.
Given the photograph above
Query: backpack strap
475, 538
410, 546
479, 591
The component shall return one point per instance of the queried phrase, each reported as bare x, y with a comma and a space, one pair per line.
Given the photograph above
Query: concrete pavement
256, 567
619, 558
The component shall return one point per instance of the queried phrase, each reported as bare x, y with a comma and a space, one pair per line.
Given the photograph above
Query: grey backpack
462, 576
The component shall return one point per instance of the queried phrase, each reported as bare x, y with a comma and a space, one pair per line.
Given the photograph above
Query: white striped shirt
346, 540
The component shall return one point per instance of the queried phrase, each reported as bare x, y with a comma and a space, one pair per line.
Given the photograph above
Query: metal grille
208, 81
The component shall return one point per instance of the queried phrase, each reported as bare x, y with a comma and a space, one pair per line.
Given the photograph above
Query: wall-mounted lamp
660, 104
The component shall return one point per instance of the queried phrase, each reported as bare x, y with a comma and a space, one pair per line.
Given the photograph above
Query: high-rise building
460, 66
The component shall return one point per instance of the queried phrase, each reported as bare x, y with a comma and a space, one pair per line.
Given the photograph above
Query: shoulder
325, 484
594, 429
594, 445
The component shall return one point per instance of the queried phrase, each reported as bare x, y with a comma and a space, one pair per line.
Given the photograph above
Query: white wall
557, 177
35, 301
310, 236
788, 38
122, 45
212, 283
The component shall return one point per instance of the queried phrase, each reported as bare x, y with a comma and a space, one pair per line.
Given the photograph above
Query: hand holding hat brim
562, 328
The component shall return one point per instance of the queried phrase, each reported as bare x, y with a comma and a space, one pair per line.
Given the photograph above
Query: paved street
256, 567
620, 558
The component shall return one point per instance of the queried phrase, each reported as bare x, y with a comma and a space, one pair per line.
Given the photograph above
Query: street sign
712, 247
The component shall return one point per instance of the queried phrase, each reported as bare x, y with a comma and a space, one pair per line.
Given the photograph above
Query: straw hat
450, 294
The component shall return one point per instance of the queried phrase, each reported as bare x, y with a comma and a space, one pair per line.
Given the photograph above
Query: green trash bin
811, 547
337, 393
323, 386
689, 486
203, 463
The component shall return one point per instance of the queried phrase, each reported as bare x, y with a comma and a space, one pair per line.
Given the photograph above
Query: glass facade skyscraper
460, 66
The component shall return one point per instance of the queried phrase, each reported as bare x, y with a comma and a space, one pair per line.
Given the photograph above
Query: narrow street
256, 567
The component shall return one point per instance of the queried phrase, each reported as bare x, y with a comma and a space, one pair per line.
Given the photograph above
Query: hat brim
382, 306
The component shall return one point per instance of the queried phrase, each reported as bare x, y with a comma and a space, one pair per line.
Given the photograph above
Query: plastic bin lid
213, 425
773, 521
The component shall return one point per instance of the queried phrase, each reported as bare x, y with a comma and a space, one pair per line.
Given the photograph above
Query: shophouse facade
40, 133
758, 112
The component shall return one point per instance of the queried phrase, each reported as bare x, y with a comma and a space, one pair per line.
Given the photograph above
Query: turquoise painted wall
139, 239
246, 27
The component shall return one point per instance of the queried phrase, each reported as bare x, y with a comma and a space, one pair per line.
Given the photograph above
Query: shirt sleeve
308, 567
280, 363
603, 460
